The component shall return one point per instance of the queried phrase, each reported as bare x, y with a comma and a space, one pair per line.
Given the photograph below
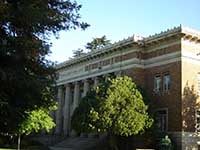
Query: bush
165, 144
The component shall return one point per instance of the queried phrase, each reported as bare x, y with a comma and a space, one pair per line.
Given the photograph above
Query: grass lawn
6, 149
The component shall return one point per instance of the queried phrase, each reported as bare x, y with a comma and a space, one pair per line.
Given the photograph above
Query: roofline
135, 39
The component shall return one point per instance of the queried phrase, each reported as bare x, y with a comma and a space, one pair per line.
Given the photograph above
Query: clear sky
118, 19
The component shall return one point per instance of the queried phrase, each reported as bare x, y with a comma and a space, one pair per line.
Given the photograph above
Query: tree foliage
118, 109
97, 43
35, 121
81, 120
78, 53
27, 77
123, 111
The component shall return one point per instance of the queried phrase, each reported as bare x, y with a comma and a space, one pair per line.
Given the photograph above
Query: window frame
155, 88
169, 84
163, 109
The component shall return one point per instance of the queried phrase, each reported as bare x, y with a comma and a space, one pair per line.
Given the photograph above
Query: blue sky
118, 19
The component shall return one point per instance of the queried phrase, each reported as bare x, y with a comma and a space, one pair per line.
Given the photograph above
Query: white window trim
169, 87
155, 89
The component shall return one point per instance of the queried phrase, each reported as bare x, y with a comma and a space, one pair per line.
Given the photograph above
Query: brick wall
171, 99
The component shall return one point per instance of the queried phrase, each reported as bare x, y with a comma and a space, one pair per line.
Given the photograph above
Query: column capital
96, 77
118, 73
67, 85
86, 80
76, 82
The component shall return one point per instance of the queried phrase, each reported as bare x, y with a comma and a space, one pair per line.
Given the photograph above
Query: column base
93, 135
84, 135
73, 133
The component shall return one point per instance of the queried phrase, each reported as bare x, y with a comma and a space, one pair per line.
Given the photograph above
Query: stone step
58, 148
75, 143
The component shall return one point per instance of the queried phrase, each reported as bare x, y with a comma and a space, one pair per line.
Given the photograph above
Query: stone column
52, 114
66, 111
85, 87
59, 111
76, 98
96, 82
76, 95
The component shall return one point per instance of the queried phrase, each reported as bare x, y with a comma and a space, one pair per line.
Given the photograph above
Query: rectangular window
157, 83
198, 82
197, 116
166, 82
162, 120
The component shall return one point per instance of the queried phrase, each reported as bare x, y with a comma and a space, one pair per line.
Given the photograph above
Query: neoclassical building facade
166, 65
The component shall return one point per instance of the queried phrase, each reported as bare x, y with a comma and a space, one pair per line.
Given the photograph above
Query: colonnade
68, 98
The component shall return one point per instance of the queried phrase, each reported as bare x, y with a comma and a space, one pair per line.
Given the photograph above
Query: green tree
81, 120
35, 121
27, 77
119, 110
78, 53
123, 111
97, 43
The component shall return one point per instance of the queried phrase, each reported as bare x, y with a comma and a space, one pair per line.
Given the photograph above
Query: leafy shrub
165, 144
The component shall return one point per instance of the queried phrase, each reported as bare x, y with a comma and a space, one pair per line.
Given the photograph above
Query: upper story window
166, 82
157, 83
198, 83
197, 116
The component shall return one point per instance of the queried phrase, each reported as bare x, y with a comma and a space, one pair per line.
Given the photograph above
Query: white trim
190, 57
131, 63
161, 59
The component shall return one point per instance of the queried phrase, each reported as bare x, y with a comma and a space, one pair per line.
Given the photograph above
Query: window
162, 119
197, 115
166, 82
198, 82
157, 84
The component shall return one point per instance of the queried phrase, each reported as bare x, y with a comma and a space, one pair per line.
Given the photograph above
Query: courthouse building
166, 65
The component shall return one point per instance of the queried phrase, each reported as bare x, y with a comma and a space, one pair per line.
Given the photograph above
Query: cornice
107, 49
183, 32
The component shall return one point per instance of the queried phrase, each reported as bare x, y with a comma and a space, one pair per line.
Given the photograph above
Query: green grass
6, 149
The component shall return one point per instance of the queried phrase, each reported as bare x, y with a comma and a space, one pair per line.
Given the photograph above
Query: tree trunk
18, 142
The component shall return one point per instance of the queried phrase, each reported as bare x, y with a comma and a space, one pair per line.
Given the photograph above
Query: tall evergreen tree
26, 76
97, 43
78, 53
